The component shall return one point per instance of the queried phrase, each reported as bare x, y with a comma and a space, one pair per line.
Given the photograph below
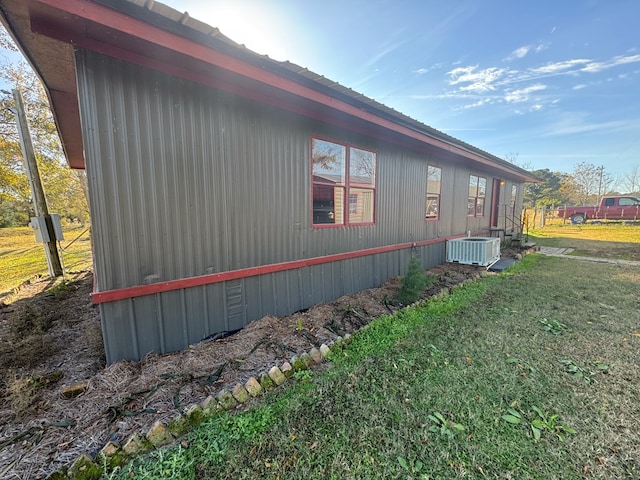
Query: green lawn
531, 374
611, 240
22, 258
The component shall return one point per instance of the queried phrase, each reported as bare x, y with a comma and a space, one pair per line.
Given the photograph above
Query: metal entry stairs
512, 231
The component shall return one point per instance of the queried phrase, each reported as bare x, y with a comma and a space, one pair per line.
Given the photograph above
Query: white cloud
542, 46
594, 67
522, 94
518, 53
478, 81
423, 70
560, 67
580, 86
479, 103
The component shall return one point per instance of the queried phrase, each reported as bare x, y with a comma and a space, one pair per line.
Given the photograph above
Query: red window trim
475, 206
437, 217
347, 185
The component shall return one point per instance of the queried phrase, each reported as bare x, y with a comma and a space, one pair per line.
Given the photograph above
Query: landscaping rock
159, 434
315, 354
72, 391
266, 381
240, 393
324, 350
179, 426
226, 400
59, 475
277, 376
84, 469
287, 369
195, 414
253, 387
210, 406
306, 358
112, 455
136, 445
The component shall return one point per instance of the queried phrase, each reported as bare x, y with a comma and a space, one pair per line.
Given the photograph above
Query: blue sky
553, 82
550, 82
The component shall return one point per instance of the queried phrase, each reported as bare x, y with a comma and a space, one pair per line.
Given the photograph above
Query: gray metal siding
186, 180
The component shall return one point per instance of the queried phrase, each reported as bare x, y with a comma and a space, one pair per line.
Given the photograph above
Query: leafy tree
64, 188
546, 193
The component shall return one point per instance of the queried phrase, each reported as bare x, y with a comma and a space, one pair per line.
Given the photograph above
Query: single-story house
225, 186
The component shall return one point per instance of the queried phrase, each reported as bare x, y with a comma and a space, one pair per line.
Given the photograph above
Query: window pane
362, 167
482, 187
433, 204
514, 194
434, 175
353, 203
627, 202
471, 206
480, 207
338, 211
328, 162
361, 210
327, 204
473, 186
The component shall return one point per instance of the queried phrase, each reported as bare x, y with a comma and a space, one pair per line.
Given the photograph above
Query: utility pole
37, 193
601, 170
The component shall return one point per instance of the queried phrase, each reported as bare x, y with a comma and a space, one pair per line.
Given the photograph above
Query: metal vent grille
482, 251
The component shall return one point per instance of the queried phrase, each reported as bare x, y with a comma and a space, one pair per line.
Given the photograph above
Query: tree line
584, 186
65, 188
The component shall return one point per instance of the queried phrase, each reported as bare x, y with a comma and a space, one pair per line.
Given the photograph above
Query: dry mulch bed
50, 338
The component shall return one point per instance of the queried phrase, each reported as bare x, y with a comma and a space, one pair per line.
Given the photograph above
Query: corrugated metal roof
29, 19
184, 19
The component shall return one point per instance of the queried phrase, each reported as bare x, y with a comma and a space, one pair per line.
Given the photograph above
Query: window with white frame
434, 185
514, 195
342, 172
477, 195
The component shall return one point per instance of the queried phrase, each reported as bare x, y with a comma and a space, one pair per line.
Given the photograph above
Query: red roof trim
121, 22
141, 290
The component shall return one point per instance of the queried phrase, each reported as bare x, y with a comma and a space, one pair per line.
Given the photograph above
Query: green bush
413, 283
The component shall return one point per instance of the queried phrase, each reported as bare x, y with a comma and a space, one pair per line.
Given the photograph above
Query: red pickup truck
610, 208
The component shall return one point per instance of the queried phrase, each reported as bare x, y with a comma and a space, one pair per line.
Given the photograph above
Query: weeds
443, 426
549, 423
541, 422
553, 326
583, 373
411, 465
303, 375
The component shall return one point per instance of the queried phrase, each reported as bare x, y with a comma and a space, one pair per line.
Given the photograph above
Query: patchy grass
472, 385
607, 240
22, 258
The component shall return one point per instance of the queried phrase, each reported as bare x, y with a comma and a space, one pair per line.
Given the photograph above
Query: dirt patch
50, 339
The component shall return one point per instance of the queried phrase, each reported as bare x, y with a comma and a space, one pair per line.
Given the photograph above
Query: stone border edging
160, 435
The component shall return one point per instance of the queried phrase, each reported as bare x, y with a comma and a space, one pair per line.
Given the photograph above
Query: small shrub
413, 283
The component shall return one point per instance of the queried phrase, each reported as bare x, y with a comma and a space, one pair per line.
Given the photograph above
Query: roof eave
172, 35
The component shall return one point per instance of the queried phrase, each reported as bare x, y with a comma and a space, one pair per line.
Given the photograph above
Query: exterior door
495, 203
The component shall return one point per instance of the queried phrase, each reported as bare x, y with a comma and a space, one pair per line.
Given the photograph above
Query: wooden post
39, 200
